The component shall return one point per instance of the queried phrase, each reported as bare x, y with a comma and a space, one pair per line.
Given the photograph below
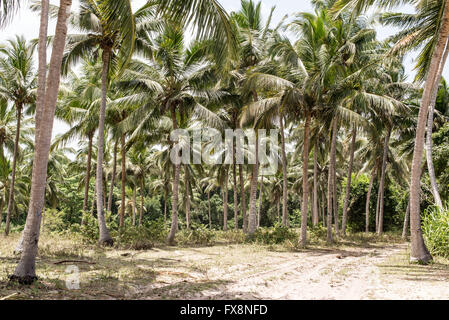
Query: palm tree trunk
285, 220
2, 204
234, 187
378, 208
382, 182
315, 213
187, 195
14, 167
123, 188
114, 173
208, 203
243, 199
25, 270
419, 250
278, 207
176, 172
165, 205
252, 221
429, 142
88, 170
134, 207
329, 205
348, 183
305, 182
406, 222
334, 175
260, 201
142, 200
105, 238
368, 198
225, 201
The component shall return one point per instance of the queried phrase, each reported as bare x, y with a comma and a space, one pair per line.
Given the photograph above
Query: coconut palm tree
47, 96
17, 85
107, 27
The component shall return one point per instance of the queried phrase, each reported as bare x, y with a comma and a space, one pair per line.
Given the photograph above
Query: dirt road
356, 273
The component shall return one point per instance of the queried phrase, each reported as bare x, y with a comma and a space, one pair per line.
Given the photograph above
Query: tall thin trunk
419, 250
176, 172
243, 199
285, 220
142, 200
382, 182
165, 205
315, 213
123, 187
105, 238
368, 198
429, 139
14, 166
208, 204
406, 222
134, 207
378, 208
2, 204
114, 173
225, 202
260, 201
329, 205
305, 182
25, 271
348, 183
252, 221
88, 170
187, 197
334, 175
278, 207
234, 188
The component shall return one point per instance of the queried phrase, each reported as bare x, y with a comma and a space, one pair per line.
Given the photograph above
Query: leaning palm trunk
315, 213
88, 169
13, 174
114, 172
284, 176
105, 238
348, 182
419, 252
305, 183
123, 198
429, 142
406, 222
382, 182
368, 198
134, 204
25, 271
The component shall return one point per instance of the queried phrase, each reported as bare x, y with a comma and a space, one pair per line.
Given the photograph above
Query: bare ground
350, 271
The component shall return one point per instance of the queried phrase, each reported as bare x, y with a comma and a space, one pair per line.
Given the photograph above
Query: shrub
436, 230
232, 236
198, 234
275, 235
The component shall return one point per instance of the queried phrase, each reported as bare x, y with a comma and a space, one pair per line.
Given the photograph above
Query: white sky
27, 23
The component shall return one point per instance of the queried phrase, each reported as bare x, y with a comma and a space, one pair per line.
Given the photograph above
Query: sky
26, 23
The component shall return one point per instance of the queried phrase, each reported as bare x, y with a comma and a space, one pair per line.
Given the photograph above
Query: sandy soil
353, 271
356, 273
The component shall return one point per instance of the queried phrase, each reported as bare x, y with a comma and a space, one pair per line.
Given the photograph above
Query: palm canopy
7, 10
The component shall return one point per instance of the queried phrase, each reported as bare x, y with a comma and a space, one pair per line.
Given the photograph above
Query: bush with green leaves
141, 237
198, 234
436, 230
275, 235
